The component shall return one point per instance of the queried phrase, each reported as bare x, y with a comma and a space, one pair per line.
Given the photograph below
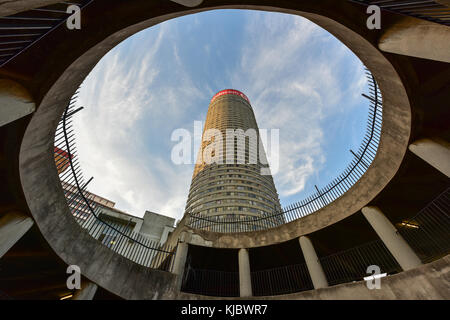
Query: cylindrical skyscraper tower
228, 181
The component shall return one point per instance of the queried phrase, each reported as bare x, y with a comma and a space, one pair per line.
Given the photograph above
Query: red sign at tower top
230, 91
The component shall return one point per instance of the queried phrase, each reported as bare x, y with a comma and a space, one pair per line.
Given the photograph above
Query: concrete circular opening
147, 112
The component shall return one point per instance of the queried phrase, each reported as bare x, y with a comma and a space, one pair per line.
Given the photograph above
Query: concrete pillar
180, 262
436, 152
15, 102
188, 3
398, 247
87, 292
417, 38
13, 226
315, 270
245, 280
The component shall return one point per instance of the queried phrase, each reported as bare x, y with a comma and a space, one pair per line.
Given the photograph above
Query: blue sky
298, 77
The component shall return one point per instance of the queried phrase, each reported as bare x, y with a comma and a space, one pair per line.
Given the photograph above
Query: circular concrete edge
45, 197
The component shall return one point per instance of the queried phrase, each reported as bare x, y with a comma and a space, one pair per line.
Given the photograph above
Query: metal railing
341, 267
422, 9
118, 237
211, 282
363, 157
282, 280
20, 31
351, 265
428, 232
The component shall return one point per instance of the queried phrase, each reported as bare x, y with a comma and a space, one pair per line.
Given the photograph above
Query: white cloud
118, 95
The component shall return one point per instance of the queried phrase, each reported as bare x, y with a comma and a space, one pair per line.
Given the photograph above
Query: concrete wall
152, 226
155, 224
113, 214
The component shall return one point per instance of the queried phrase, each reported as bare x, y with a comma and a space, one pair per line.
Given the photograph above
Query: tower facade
231, 177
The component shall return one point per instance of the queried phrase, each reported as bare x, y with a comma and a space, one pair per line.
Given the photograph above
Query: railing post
180, 262
245, 280
315, 270
398, 247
